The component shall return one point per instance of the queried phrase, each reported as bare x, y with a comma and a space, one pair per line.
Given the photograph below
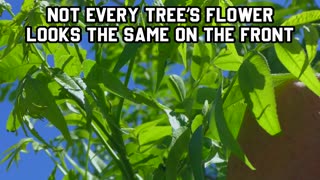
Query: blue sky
30, 166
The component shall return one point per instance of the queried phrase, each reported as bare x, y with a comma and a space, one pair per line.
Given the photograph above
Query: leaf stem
88, 151
78, 52
62, 168
234, 79
10, 12
126, 82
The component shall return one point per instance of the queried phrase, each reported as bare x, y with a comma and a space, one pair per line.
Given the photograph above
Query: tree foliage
170, 110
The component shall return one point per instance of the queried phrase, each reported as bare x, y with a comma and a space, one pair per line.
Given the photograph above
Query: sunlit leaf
226, 137
226, 60
294, 58
15, 65
197, 122
311, 37
68, 60
183, 52
257, 88
12, 123
279, 79
302, 18
234, 109
87, 65
202, 54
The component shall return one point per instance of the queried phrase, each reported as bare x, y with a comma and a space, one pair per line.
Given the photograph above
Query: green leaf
205, 93
302, 18
257, 88
71, 175
279, 79
70, 85
176, 85
35, 13
151, 135
114, 85
4, 6
281, 12
202, 54
161, 65
183, 53
68, 59
232, 48
311, 37
128, 53
226, 136
13, 152
53, 174
211, 77
146, 125
234, 116
34, 132
12, 33
178, 149
12, 123
111, 82
15, 64
6, 30
179, 143
234, 109
195, 153
41, 103
79, 169
27, 5
293, 57
87, 65
226, 60
129, 2
96, 161
177, 121
166, 53
196, 123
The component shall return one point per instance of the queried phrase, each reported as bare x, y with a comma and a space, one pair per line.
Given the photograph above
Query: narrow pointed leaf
225, 135
302, 18
70, 85
257, 88
128, 52
311, 36
114, 85
195, 153
40, 101
12, 123
202, 54
293, 57
183, 52
178, 149
176, 85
